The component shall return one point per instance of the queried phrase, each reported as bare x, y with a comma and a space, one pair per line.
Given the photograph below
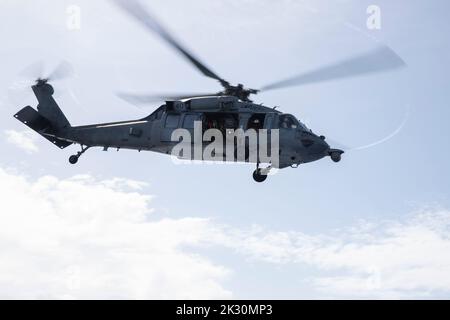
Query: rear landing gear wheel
73, 159
258, 177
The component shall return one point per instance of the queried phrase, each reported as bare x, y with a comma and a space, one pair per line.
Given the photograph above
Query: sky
138, 226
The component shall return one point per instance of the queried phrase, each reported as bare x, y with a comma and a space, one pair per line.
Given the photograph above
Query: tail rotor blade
36, 71
18, 90
33, 71
62, 71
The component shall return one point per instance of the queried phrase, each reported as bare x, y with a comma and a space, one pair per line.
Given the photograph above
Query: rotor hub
40, 82
239, 91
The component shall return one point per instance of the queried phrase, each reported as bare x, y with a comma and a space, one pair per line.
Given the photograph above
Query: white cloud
390, 259
80, 238
24, 140
86, 238
394, 259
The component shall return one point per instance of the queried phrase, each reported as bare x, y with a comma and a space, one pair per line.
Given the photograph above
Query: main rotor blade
378, 60
139, 12
139, 99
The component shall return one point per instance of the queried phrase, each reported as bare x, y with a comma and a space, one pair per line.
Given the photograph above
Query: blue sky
320, 231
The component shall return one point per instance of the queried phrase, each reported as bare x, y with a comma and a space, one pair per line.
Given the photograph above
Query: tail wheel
258, 177
73, 159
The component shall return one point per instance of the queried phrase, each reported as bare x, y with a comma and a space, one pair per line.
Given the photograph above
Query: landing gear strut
73, 159
260, 175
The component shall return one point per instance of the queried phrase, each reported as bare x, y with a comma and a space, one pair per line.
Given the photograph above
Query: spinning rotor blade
31, 75
338, 145
33, 71
62, 71
381, 140
145, 99
378, 60
139, 12
36, 71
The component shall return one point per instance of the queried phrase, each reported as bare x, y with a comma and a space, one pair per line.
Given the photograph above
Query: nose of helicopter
316, 146
322, 146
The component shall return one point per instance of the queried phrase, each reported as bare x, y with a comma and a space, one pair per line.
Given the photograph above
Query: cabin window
189, 120
172, 121
256, 121
159, 113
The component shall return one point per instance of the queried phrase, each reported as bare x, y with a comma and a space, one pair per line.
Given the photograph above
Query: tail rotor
37, 74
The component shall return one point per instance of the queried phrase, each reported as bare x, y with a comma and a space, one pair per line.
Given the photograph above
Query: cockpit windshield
287, 121
303, 126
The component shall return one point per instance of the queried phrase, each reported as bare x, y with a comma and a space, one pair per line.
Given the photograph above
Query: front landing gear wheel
258, 177
73, 159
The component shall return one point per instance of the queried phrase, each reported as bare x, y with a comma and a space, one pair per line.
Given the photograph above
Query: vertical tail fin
48, 108
49, 121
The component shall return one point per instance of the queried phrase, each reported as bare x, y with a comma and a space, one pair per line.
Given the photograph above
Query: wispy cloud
408, 258
87, 238
24, 140
84, 238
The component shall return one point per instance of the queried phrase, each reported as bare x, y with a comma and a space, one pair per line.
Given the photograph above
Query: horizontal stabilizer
41, 125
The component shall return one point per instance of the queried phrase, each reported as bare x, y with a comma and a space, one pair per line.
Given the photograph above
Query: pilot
285, 123
288, 123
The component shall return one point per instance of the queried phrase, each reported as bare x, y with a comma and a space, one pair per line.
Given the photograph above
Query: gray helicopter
229, 110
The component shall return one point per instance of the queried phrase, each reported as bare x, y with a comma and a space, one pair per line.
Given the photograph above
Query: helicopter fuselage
297, 144
204, 121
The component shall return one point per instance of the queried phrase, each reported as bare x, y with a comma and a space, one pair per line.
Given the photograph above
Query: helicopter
228, 110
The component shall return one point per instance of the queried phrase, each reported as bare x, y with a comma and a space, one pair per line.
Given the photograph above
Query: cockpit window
303, 126
287, 121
